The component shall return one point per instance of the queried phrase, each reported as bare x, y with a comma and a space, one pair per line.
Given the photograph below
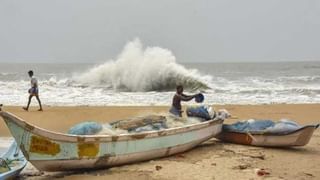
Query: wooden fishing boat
12, 162
299, 137
52, 151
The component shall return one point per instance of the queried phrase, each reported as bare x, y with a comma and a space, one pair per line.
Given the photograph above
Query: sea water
142, 75
5, 143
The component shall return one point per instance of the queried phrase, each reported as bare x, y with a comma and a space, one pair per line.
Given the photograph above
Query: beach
99, 62
211, 160
108, 91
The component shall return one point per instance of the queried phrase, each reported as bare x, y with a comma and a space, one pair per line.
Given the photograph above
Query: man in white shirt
33, 91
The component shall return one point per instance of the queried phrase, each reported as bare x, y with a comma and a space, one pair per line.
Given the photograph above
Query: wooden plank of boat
299, 137
52, 151
12, 162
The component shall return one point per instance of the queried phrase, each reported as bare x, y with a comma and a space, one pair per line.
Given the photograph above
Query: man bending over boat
176, 101
33, 91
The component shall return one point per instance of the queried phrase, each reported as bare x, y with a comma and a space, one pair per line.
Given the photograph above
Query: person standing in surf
176, 101
33, 91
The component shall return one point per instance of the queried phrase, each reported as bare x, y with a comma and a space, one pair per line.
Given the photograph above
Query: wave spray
140, 69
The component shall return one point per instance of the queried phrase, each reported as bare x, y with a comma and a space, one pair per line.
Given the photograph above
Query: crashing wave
141, 69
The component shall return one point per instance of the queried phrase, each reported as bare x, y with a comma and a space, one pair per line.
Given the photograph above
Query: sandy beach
211, 160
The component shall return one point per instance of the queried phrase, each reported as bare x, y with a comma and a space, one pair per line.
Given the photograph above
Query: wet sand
211, 160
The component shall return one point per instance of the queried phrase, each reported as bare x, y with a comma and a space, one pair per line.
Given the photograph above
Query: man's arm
184, 97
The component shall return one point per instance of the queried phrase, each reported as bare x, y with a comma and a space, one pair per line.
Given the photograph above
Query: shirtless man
176, 102
33, 91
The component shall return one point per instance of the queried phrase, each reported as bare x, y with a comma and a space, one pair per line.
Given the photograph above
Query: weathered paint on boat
51, 151
298, 137
18, 162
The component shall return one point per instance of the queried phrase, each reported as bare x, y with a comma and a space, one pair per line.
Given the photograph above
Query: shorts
34, 91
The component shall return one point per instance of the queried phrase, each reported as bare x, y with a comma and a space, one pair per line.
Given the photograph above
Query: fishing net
4, 167
270, 126
86, 128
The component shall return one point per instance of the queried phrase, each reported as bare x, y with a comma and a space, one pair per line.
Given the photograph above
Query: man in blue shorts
33, 91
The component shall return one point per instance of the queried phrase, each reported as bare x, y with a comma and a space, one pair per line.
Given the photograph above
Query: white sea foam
5, 143
56, 91
63, 92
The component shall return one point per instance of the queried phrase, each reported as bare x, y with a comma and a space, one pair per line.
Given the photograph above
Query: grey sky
195, 30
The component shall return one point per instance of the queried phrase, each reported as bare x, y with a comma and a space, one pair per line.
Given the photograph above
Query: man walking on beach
33, 91
176, 101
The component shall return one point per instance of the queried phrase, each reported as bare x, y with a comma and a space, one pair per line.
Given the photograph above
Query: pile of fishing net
149, 122
265, 126
134, 125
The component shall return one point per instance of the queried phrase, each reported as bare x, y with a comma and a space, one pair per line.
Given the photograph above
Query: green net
4, 166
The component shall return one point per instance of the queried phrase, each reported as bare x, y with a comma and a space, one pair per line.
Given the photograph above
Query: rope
249, 134
16, 152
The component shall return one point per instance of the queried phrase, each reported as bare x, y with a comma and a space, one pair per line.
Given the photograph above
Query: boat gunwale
63, 137
262, 133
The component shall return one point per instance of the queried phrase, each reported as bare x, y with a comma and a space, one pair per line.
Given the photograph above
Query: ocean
221, 83
148, 76
5, 143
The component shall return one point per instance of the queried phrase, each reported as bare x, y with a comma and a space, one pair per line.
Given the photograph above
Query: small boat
12, 162
299, 137
52, 151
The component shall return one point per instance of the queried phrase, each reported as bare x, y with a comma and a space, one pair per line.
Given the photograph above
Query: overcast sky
194, 30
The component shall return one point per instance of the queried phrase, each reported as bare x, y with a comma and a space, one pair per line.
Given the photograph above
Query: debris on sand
180, 156
309, 174
242, 166
258, 156
262, 172
34, 173
158, 167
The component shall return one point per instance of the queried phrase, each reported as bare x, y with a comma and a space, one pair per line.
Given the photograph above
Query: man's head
30, 73
179, 89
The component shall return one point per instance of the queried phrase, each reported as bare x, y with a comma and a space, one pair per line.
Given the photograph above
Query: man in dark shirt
176, 102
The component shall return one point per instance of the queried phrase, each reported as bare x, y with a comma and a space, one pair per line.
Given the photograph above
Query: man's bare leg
29, 101
37, 96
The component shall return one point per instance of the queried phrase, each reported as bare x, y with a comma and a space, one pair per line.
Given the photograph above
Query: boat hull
50, 151
299, 137
19, 162
103, 162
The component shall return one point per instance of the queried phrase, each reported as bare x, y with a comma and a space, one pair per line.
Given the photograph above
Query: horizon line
187, 62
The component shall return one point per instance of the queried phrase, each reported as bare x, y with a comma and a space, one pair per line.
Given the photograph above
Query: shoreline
162, 105
70, 115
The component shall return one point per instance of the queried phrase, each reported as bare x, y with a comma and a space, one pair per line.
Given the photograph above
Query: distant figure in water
33, 91
176, 101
